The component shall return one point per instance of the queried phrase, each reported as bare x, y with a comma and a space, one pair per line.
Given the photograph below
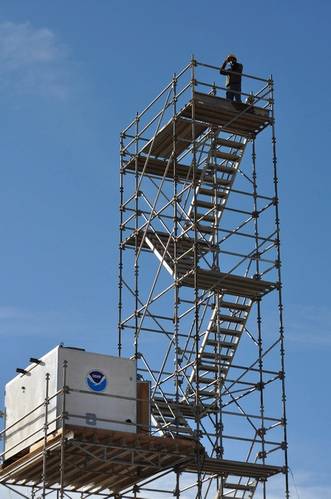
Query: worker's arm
223, 71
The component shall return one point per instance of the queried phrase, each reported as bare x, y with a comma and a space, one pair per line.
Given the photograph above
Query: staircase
234, 294
215, 183
171, 418
218, 347
221, 339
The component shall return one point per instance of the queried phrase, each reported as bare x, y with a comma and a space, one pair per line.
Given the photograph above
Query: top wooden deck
96, 460
206, 111
234, 117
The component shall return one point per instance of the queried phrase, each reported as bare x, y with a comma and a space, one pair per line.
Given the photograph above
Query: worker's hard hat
232, 56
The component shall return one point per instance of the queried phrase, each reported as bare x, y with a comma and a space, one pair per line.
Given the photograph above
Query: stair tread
216, 356
226, 155
208, 218
234, 306
230, 143
207, 204
221, 344
167, 418
203, 380
207, 179
231, 318
222, 168
179, 429
212, 192
187, 410
226, 331
207, 393
209, 368
206, 229
172, 407
238, 486
221, 370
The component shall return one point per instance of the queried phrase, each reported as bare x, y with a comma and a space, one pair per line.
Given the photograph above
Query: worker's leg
237, 94
229, 95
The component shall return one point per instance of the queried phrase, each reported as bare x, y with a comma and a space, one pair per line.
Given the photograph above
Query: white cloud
18, 322
32, 60
309, 324
9, 313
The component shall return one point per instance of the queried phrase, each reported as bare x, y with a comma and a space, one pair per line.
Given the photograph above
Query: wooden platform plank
234, 117
118, 459
184, 244
162, 144
227, 283
207, 111
160, 168
226, 468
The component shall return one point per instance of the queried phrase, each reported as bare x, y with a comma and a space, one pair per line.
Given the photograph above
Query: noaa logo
97, 381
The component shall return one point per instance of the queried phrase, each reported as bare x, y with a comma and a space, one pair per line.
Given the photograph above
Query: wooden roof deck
233, 117
103, 460
202, 112
96, 460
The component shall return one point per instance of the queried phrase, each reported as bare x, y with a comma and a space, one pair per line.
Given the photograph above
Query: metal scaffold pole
44, 474
280, 294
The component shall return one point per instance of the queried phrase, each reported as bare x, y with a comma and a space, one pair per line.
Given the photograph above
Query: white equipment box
102, 394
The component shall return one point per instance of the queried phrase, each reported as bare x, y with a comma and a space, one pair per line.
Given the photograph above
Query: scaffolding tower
200, 309
200, 281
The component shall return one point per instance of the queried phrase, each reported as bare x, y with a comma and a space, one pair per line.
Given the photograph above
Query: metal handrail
193, 82
2, 432
30, 435
217, 87
141, 114
246, 75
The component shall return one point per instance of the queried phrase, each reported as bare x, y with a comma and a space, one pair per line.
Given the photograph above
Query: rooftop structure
200, 311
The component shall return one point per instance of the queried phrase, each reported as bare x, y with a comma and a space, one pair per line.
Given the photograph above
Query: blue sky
72, 75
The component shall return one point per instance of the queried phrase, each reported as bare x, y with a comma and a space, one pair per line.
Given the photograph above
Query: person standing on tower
233, 70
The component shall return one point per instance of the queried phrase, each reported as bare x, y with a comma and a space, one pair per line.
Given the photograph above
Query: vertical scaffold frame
200, 292
200, 309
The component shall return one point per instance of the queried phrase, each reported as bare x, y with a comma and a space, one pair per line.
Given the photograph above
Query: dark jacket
233, 81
